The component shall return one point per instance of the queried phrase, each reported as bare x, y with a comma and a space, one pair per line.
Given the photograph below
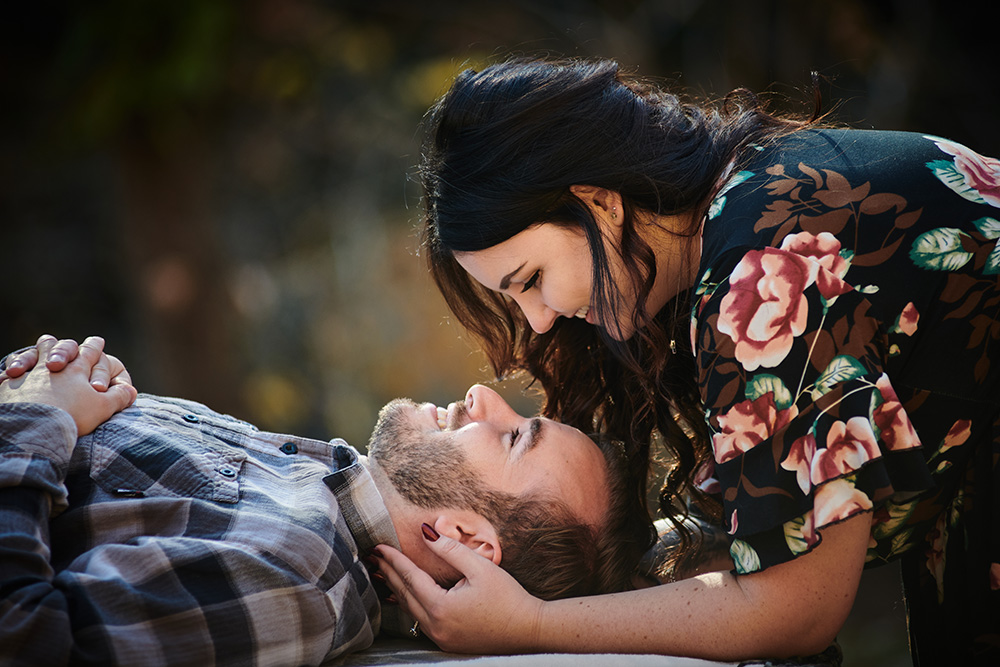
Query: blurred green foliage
119, 61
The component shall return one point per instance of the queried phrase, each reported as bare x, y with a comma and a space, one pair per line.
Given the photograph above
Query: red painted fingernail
391, 600
430, 534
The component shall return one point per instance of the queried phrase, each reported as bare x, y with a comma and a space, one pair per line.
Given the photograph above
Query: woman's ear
604, 204
471, 529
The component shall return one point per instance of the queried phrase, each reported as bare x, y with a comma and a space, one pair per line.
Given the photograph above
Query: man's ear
605, 204
471, 529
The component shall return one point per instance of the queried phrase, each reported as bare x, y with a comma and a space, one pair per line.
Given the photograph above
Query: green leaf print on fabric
797, 536
840, 369
990, 229
992, 266
900, 543
766, 383
940, 249
890, 519
948, 174
720, 199
744, 557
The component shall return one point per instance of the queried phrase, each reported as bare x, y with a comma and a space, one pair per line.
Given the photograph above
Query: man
171, 534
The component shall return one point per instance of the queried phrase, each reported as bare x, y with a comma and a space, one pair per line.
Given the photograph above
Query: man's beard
429, 474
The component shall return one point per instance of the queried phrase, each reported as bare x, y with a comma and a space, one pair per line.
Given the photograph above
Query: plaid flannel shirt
176, 535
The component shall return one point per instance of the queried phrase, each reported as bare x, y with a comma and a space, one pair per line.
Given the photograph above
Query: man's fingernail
430, 534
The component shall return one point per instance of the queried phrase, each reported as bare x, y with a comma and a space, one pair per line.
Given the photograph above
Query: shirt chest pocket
151, 457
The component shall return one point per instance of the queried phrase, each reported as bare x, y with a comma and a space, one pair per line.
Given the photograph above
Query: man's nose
482, 404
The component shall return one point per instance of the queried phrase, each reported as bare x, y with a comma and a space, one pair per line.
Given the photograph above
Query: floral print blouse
845, 325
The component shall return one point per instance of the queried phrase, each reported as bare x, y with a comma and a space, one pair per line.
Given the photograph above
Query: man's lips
442, 417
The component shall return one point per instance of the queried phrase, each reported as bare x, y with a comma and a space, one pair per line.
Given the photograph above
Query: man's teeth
442, 418
582, 313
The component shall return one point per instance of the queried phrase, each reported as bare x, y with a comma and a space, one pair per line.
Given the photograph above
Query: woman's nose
540, 317
482, 403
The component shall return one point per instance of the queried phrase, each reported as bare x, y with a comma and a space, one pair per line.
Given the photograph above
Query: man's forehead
578, 468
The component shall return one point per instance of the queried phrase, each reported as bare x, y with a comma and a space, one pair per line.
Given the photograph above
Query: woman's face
546, 269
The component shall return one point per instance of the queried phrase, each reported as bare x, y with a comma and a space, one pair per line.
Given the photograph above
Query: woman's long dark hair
504, 146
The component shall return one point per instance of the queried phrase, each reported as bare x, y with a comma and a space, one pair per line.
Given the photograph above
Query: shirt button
290, 448
227, 472
190, 418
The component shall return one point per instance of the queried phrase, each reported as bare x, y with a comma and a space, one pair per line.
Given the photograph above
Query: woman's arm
795, 608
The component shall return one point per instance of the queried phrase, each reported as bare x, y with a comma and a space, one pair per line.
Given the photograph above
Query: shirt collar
366, 516
360, 502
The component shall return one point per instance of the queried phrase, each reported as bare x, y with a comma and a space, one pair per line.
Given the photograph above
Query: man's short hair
553, 554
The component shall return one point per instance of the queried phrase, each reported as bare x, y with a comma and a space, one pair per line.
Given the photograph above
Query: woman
811, 311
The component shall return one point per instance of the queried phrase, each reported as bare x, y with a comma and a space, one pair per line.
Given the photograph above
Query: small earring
614, 213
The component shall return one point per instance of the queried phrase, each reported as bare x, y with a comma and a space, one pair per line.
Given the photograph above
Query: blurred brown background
225, 189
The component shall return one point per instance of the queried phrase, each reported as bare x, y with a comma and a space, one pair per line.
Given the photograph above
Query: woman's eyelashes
513, 437
531, 282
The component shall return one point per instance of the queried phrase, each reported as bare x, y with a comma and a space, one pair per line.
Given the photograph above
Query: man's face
437, 457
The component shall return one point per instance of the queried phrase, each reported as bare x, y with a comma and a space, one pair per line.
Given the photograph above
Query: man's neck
395, 504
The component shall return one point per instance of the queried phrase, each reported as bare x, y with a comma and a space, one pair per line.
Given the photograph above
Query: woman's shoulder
823, 178
856, 149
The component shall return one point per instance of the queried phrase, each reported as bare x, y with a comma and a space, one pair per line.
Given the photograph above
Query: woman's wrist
534, 635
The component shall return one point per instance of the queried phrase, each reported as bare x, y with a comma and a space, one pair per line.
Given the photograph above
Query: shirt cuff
33, 431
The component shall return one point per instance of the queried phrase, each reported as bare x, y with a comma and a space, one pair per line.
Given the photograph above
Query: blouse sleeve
806, 427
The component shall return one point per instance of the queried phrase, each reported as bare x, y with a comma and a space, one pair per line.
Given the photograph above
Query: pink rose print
824, 248
908, 319
981, 174
957, 435
897, 431
838, 500
694, 336
848, 447
705, 480
799, 460
748, 424
765, 308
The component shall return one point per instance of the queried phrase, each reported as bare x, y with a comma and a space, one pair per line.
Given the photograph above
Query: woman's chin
619, 333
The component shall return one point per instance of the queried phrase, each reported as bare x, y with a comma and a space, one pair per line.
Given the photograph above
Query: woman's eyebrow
505, 281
